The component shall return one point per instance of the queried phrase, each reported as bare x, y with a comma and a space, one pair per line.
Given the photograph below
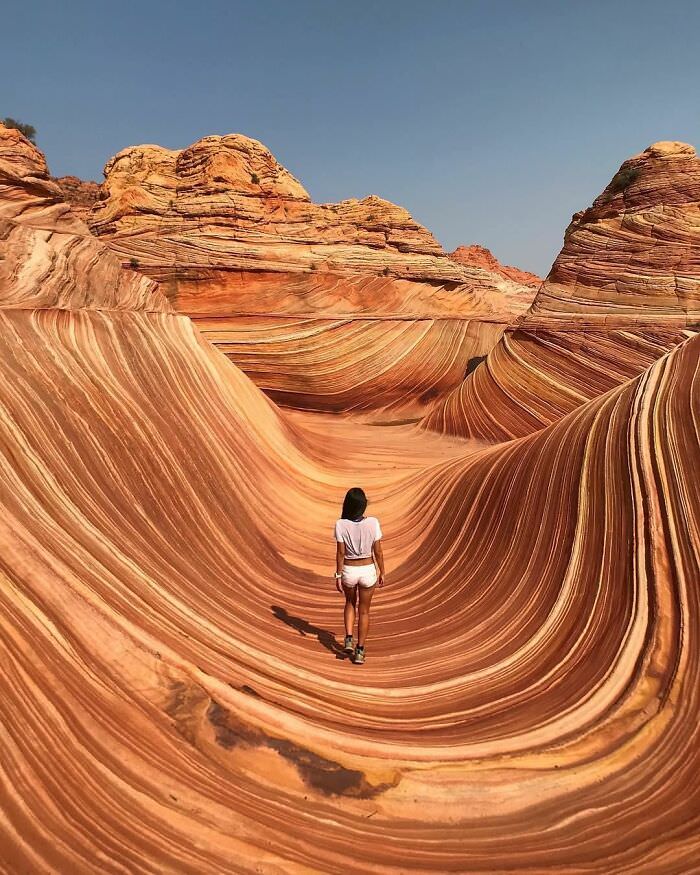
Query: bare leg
350, 602
365, 598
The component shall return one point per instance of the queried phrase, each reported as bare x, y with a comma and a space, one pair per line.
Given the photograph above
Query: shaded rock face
80, 194
624, 290
237, 244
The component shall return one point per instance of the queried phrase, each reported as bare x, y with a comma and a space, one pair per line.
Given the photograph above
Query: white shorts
359, 575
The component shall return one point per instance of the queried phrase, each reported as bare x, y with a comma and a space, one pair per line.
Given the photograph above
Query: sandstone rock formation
517, 286
48, 258
237, 244
79, 193
170, 696
479, 256
624, 290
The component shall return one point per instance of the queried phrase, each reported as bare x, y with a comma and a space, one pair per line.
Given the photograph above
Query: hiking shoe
348, 646
359, 655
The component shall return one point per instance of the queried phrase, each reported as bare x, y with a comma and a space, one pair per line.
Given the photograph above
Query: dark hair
354, 504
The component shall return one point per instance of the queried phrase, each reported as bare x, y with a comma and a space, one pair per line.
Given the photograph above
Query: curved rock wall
624, 289
170, 687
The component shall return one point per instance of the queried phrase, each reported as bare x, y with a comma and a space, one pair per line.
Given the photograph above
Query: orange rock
480, 256
226, 203
80, 194
170, 694
624, 290
45, 249
237, 244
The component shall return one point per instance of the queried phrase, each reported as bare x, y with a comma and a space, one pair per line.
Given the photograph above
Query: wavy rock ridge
169, 691
273, 278
624, 290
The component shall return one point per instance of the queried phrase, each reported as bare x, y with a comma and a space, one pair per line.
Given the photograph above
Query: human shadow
325, 638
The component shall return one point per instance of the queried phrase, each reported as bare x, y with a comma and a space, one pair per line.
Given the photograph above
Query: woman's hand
380, 582
339, 584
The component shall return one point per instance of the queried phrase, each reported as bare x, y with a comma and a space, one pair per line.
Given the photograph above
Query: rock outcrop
479, 256
79, 193
249, 213
48, 258
237, 244
624, 290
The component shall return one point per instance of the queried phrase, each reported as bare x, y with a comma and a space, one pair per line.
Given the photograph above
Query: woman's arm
379, 560
339, 559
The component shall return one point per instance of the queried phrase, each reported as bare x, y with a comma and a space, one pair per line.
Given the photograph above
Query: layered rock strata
237, 244
624, 290
172, 695
481, 257
48, 258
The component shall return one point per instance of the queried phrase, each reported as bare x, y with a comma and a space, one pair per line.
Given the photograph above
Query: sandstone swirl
329, 306
624, 290
170, 696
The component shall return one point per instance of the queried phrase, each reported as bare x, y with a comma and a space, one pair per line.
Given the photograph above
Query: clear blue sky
491, 121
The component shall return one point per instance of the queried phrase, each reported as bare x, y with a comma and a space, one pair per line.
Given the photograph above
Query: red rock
48, 258
480, 256
80, 194
228, 204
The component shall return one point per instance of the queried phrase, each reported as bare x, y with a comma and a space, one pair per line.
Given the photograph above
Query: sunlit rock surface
624, 290
325, 306
171, 697
48, 258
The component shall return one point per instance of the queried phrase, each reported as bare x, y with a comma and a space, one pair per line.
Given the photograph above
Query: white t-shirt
358, 537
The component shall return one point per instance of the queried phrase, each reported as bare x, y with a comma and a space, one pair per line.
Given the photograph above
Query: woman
358, 555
